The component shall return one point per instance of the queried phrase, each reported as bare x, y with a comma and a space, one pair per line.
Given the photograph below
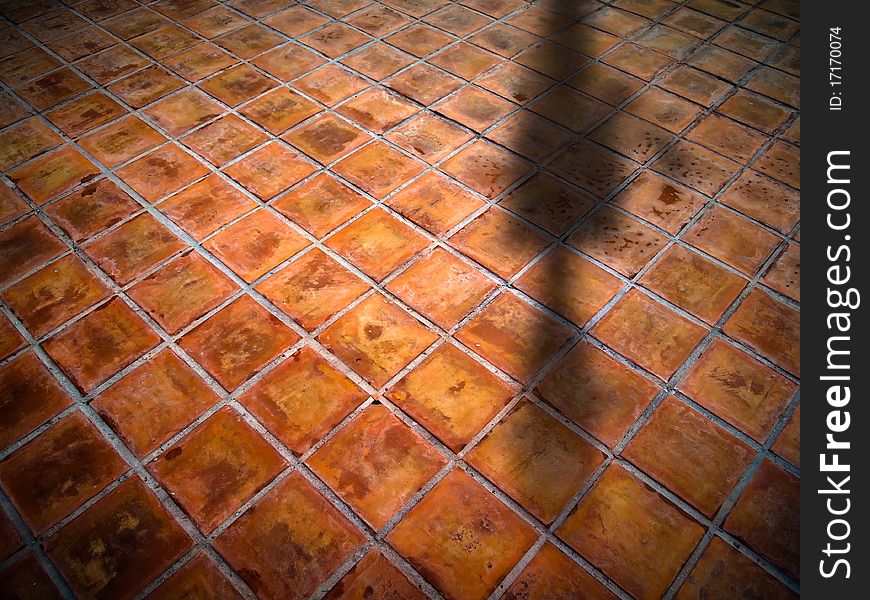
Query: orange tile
485, 168
100, 537
782, 162
164, 42
377, 339
638, 61
200, 62
376, 110
335, 39
10, 339
377, 243
206, 206
121, 141
570, 109
378, 61
11, 205
754, 110
237, 84
530, 136
256, 244
53, 174
732, 239
154, 402
664, 109
462, 538
199, 578
546, 470
320, 204
548, 203
302, 399
660, 201
134, 248
514, 336
52, 89
312, 289
475, 108
788, 444
288, 62
551, 574
457, 20
84, 114
295, 21
30, 397
270, 170
377, 20
378, 169
65, 466
55, 294
765, 200
223, 140
769, 326
326, 138
238, 341
24, 246
429, 137
423, 83
217, 467
279, 110
653, 336
376, 464
375, 576
134, 23
25, 140
695, 85
214, 22
550, 59
464, 60
161, 172
419, 40
27, 65
249, 41
330, 84
631, 533
146, 86
10, 540
632, 137
727, 137
111, 64
308, 540
434, 203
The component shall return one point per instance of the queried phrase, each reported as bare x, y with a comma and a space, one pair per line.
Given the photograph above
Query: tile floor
399, 299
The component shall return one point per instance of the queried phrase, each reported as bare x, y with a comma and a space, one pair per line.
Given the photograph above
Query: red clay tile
664, 109
295, 21
782, 162
154, 402
722, 63
530, 136
96, 552
659, 201
161, 172
376, 110
256, 244
723, 572
503, 39
769, 326
84, 114
63, 467
435, 203
377, 20
767, 517
111, 64
777, 85
423, 83
10, 540
238, 341
199, 578
29, 396
249, 41
464, 60
279, 110
55, 294
376, 577
164, 42
335, 39
10, 111
214, 22
52, 89
26, 578
121, 141
223, 140
25, 140
514, 336
732, 239
754, 110
200, 62
765, 200
486, 168
27, 65
653, 336
543, 472
53, 174
738, 388
259, 8
631, 533
146, 86
632, 137
415, 8
788, 444
205, 206
330, 84
551, 59
451, 395
494, 8
320, 204
312, 289
461, 538
217, 467
376, 463
24, 246
11, 205
727, 137
695, 85
377, 339
597, 392
419, 40
326, 138
270, 170
548, 203
377, 243
378, 61
53, 25
591, 167
183, 111
475, 108
378, 169
302, 399
288, 62
551, 574
237, 84
457, 20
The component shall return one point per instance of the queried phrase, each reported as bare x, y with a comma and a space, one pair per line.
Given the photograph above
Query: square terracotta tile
24, 246
377, 20
326, 138
618, 240
442, 537
161, 172
330, 84
320, 204
214, 22
725, 572
695, 85
416, 8
514, 336
569, 285
788, 444
771, 327
201, 285
312, 289
376, 110
732, 239
486, 168
767, 517
288, 62
164, 42
782, 162
419, 40
237, 84
777, 85
503, 39
199, 578
376, 463
238, 341
597, 392
134, 248
632, 137
553, 60
294, 21
785, 274
738, 388
586, 40
377, 575
84, 114
302, 399
552, 574
456, 19
660, 201
674, 44
516, 83
696, 167
544, 472
378, 61
53, 174
279, 110
154, 402
121, 141
638, 61
693, 283
377, 243
297, 520
200, 62
223, 140
664, 109
722, 63
146, 86
429, 137
593, 168
54, 294
117, 569
249, 41
694, 22
475, 108
270, 170
570, 108
548, 203
207, 205
27, 65
63, 467
52, 89
335, 39
25, 140
530, 136
217, 467
631, 533
690, 455
11, 340
764, 199
136, 22
727, 137
378, 169
377, 339
256, 244
10, 111
464, 60
650, 334
442, 288
435, 203
111, 64
423, 83
11, 205
451, 395
259, 8
755, 111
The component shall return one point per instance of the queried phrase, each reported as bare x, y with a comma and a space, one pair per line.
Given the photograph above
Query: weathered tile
771, 327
